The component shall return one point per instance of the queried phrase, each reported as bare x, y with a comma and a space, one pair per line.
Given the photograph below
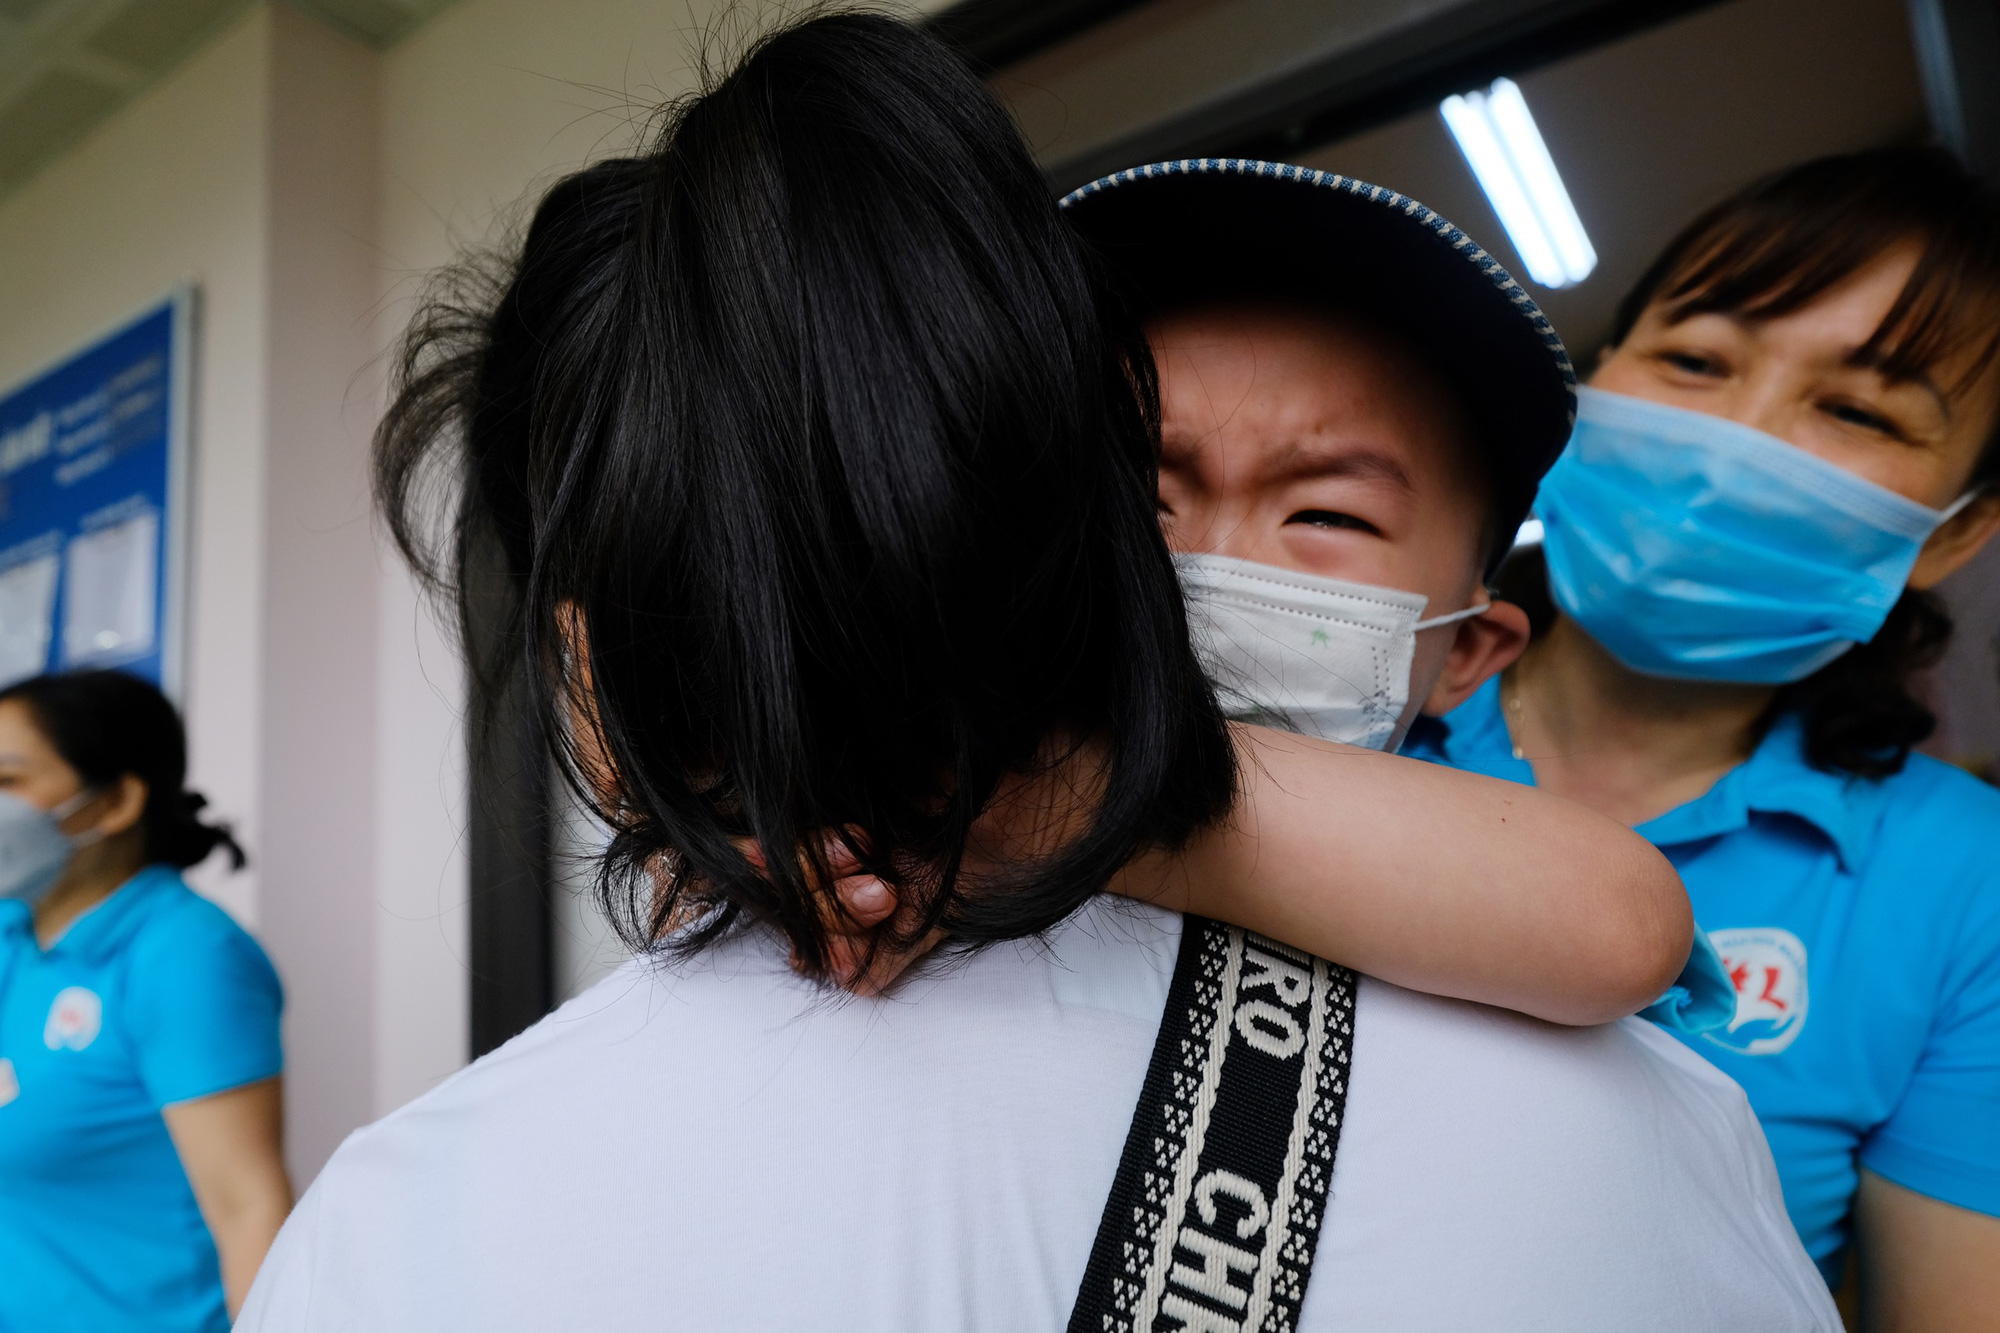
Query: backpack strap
1215, 1211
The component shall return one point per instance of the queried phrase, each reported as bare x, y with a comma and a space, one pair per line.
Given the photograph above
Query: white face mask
1322, 657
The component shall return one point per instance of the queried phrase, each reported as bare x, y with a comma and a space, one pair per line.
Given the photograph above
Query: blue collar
99, 933
1775, 780
16, 920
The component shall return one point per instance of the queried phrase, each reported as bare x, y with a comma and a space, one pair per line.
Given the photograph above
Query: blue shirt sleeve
1702, 998
1943, 1138
206, 1003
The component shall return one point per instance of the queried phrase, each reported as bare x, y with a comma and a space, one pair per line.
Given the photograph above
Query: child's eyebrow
1318, 460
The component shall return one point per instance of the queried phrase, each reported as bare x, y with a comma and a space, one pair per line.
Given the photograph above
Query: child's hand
1032, 814
861, 902
865, 901
855, 904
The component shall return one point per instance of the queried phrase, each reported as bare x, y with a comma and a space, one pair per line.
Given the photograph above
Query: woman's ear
1954, 544
118, 807
1486, 645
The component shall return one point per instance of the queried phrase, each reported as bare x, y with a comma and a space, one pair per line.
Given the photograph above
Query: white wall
320, 912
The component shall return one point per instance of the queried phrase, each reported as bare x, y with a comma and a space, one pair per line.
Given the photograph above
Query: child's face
1298, 440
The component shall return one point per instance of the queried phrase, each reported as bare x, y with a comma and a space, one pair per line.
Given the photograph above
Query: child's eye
1329, 518
1692, 363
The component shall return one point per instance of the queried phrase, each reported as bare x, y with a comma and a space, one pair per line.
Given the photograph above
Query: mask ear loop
1957, 507
1453, 617
63, 809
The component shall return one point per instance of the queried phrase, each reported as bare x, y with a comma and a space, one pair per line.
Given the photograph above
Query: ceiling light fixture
1497, 134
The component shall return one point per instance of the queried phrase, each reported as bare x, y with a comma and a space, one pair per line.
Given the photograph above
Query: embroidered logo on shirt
75, 1019
10, 1085
1768, 968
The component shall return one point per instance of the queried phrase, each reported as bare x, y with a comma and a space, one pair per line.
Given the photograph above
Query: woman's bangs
1761, 267
1767, 267
1948, 311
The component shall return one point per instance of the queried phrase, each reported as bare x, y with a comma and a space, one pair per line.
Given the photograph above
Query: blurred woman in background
1789, 442
140, 1164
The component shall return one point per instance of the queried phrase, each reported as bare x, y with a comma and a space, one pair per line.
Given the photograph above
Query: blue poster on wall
92, 504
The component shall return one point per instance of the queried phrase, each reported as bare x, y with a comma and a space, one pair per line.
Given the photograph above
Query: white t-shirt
720, 1147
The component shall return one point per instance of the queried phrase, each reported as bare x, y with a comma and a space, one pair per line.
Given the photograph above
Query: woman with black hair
809, 479
1793, 437
140, 1161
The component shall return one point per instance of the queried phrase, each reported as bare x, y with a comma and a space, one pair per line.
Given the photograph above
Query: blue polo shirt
1860, 924
152, 997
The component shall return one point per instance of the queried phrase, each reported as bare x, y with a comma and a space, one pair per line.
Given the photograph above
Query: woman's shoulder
173, 907
1942, 808
1452, 1106
1935, 852
179, 929
552, 1073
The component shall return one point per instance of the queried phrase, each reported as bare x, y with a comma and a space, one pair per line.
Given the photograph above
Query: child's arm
1420, 875
1433, 879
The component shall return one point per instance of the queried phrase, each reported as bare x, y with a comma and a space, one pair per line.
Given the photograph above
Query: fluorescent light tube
1466, 118
1508, 111
1497, 134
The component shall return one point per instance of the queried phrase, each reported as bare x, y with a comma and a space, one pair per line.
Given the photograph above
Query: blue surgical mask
1698, 548
33, 847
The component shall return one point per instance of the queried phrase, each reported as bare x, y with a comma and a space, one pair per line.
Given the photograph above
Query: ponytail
176, 835
106, 725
